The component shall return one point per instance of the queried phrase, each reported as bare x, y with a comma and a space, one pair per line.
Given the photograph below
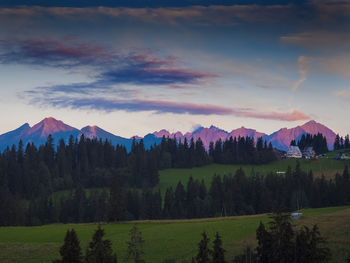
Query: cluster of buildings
295, 152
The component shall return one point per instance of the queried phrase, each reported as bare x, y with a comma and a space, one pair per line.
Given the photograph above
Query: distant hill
59, 130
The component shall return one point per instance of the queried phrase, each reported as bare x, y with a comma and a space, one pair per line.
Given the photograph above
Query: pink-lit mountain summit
59, 130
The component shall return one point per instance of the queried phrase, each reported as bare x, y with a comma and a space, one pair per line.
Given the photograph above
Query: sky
134, 67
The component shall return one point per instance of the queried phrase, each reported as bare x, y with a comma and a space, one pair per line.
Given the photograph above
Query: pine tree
99, 250
116, 209
70, 251
134, 251
218, 251
204, 252
264, 243
310, 247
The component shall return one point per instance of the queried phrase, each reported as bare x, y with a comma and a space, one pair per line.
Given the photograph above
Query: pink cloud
282, 116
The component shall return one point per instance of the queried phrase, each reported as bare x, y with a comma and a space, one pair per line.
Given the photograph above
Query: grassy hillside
175, 239
328, 167
325, 166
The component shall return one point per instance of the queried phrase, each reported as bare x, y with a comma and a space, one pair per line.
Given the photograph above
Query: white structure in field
294, 152
296, 215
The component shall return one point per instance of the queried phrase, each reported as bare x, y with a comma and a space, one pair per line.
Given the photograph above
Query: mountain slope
282, 138
244, 132
92, 132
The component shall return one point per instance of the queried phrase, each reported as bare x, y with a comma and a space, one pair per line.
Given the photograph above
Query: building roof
294, 151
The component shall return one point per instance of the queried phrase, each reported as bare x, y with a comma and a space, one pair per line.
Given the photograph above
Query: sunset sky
134, 68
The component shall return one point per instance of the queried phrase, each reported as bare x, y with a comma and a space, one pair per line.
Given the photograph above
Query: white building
309, 153
294, 152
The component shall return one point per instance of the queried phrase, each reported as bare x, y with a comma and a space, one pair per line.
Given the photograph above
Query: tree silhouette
70, 251
134, 250
99, 250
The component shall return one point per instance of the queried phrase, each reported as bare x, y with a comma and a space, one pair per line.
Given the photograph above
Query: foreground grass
172, 239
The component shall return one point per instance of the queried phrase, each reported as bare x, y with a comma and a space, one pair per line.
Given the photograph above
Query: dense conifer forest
122, 185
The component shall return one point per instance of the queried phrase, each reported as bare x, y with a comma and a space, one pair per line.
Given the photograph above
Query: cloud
53, 53
227, 15
79, 89
140, 67
141, 75
288, 116
328, 40
134, 105
343, 94
303, 63
129, 101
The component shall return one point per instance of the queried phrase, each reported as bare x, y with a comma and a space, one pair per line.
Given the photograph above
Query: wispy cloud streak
129, 102
303, 64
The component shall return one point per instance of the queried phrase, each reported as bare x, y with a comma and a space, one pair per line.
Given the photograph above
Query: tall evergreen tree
70, 251
116, 210
218, 251
99, 250
135, 246
204, 252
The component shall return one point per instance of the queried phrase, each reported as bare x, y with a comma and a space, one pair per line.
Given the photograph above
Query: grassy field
174, 239
325, 166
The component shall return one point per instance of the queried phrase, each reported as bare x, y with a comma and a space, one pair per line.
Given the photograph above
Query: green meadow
327, 166
172, 239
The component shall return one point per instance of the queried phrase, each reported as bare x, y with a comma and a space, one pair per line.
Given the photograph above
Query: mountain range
39, 132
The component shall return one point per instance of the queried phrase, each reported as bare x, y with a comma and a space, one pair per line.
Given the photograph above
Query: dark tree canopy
70, 251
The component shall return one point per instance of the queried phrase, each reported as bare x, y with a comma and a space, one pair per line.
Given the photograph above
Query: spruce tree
218, 251
134, 251
264, 243
116, 209
204, 251
99, 250
70, 251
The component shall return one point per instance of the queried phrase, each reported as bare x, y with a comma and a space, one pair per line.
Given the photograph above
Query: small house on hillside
294, 152
309, 153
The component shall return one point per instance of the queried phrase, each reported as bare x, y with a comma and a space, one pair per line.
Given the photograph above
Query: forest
122, 185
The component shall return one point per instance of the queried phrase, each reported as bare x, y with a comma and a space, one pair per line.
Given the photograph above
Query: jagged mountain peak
161, 133
59, 130
50, 126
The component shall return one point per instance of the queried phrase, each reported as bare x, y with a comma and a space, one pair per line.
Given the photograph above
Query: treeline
229, 195
278, 241
318, 142
341, 143
32, 172
99, 249
242, 150
29, 172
